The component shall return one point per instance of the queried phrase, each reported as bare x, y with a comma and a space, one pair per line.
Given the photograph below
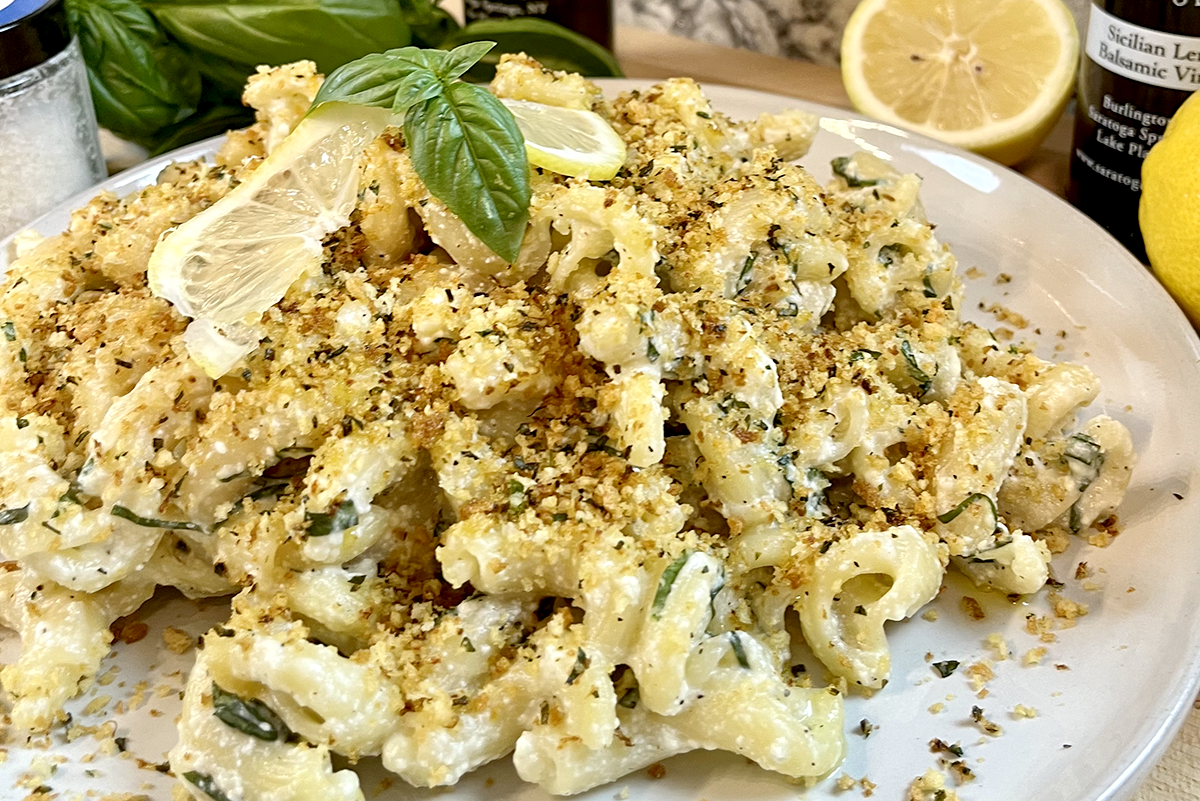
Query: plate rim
1122, 780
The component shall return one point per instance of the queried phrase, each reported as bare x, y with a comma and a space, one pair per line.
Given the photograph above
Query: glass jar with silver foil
49, 142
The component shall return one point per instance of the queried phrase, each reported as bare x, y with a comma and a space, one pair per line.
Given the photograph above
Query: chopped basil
240, 474
516, 496
629, 699
948, 517
9, 517
792, 310
205, 784
1084, 456
739, 650
860, 610
320, 524
890, 254
10, 331
582, 663
651, 351
665, 583
862, 353
1082, 448
250, 716
743, 280
944, 669
1074, 520
840, 165
268, 490
923, 379
816, 483
466, 644
930, 292
150, 522
22, 423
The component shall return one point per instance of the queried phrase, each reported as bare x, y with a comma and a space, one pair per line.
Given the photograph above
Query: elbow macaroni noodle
557, 509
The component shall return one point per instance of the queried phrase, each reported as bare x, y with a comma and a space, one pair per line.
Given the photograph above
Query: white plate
1134, 662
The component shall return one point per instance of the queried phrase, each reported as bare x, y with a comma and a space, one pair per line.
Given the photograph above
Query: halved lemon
234, 260
568, 141
991, 76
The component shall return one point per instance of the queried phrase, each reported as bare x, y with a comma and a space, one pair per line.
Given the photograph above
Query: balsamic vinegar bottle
592, 18
1140, 61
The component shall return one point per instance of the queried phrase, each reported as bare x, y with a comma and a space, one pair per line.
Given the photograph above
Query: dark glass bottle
1140, 61
592, 18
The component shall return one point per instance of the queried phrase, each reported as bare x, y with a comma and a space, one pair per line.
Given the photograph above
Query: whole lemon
1170, 207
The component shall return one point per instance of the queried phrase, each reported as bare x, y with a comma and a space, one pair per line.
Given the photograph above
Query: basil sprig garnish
462, 141
249, 716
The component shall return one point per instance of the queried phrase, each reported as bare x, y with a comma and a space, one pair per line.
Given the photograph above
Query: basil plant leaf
329, 32
140, 81
554, 46
466, 147
430, 24
212, 121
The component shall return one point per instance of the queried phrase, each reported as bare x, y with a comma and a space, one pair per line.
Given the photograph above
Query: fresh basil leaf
462, 58
399, 78
556, 47
372, 80
140, 81
417, 87
251, 717
466, 147
330, 32
224, 81
430, 24
201, 125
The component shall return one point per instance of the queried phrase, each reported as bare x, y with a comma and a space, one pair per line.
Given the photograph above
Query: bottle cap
31, 33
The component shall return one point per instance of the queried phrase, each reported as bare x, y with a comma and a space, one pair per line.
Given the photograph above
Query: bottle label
484, 9
1142, 54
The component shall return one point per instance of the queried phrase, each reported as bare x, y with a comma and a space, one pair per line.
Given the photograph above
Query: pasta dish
575, 508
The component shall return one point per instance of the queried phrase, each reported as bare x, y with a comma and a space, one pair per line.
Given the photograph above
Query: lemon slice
991, 76
568, 141
234, 260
